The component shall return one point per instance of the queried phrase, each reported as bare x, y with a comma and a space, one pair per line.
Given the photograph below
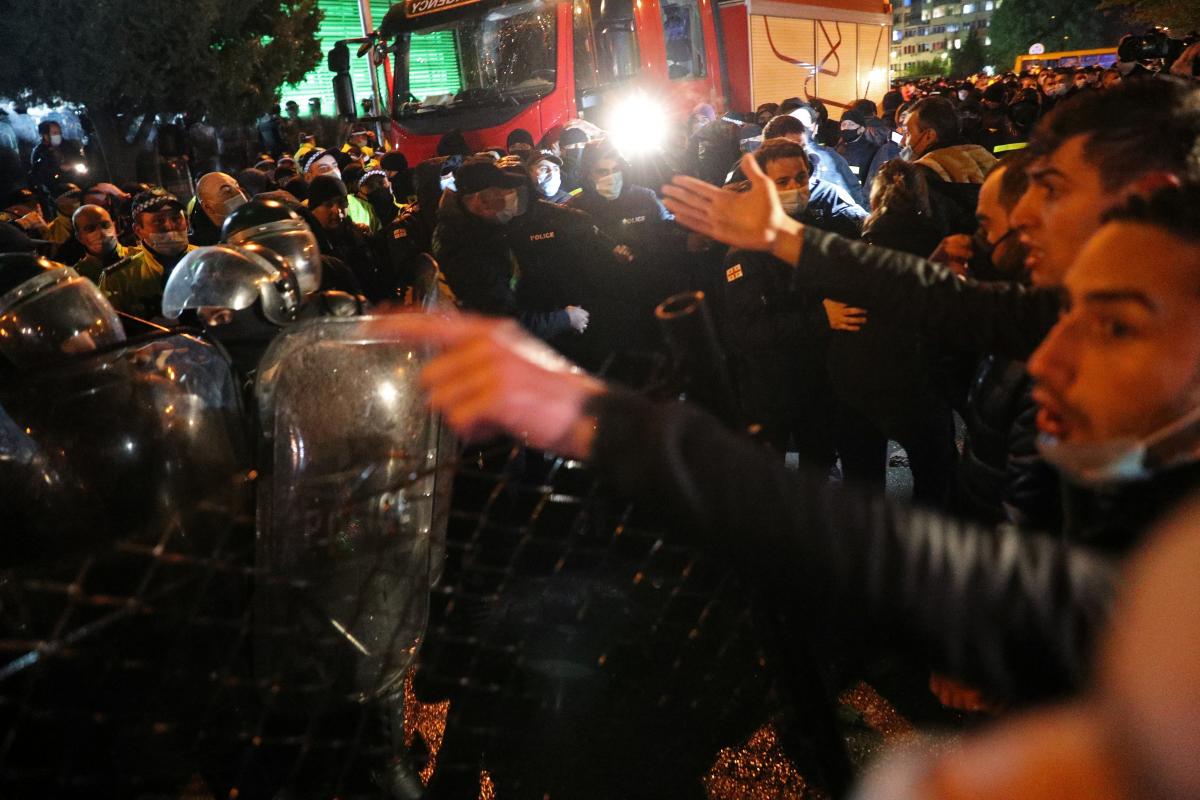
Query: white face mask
549, 185
906, 153
1127, 458
512, 202
232, 204
609, 186
1057, 90
794, 202
55, 139
170, 243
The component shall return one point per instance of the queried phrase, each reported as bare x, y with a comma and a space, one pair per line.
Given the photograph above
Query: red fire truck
486, 67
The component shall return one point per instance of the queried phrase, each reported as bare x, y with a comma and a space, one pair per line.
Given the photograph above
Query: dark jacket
1015, 612
565, 260
859, 153
479, 267
829, 166
776, 339
969, 315
400, 245
999, 318
1001, 476
886, 152
883, 370
832, 209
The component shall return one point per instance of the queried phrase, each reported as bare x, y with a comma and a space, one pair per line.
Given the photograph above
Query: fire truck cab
487, 67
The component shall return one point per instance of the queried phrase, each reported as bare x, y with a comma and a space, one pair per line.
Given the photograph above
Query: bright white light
638, 125
876, 76
81, 168
388, 393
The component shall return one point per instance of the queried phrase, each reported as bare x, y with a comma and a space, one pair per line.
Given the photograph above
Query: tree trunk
120, 156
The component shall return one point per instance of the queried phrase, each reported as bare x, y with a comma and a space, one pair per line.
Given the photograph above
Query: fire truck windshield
501, 55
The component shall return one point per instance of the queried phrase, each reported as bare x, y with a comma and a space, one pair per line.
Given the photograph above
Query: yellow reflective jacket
90, 267
135, 284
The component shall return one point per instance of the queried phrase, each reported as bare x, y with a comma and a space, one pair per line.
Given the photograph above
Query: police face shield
53, 316
292, 240
233, 278
352, 507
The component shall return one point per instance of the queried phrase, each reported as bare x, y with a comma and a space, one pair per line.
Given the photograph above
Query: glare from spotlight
638, 126
81, 168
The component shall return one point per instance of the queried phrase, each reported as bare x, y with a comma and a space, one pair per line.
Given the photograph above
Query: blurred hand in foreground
752, 220
493, 377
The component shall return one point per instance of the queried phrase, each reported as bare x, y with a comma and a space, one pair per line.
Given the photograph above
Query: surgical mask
1126, 458
233, 203
1057, 90
906, 153
168, 243
512, 202
549, 185
609, 186
794, 202
55, 139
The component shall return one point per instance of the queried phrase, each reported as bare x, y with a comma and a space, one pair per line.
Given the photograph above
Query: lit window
897, 35
968, 8
989, 6
925, 15
958, 44
987, 40
938, 12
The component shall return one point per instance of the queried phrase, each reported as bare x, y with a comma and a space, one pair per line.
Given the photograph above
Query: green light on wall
342, 21
433, 65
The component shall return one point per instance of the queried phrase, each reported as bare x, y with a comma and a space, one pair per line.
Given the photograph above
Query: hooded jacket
959, 163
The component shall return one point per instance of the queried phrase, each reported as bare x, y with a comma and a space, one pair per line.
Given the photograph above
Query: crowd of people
999, 274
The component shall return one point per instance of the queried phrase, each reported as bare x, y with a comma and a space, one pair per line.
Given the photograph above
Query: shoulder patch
733, 273
399, 232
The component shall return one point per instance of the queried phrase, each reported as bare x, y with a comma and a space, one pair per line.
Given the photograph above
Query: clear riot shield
142, 442
351, 510
127, 524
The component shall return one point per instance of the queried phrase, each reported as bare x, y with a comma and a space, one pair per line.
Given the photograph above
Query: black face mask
570, 159
984, 266
384, 205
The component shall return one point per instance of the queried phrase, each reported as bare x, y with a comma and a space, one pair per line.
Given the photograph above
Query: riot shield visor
232, 278
292, 240
53, 316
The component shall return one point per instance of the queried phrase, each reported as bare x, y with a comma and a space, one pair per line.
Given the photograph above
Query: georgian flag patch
733, 273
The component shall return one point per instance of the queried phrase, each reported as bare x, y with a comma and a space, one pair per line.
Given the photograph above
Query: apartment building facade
926, 32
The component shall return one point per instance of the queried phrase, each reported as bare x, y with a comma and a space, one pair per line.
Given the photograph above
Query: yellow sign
416, 8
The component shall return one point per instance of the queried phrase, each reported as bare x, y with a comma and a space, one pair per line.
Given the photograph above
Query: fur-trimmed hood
960, 163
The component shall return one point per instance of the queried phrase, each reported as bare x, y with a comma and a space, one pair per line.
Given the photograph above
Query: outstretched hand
752, 220
492, 377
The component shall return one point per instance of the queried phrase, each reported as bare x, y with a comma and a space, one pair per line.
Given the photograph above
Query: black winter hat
324, 188
394, 161
477, 174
